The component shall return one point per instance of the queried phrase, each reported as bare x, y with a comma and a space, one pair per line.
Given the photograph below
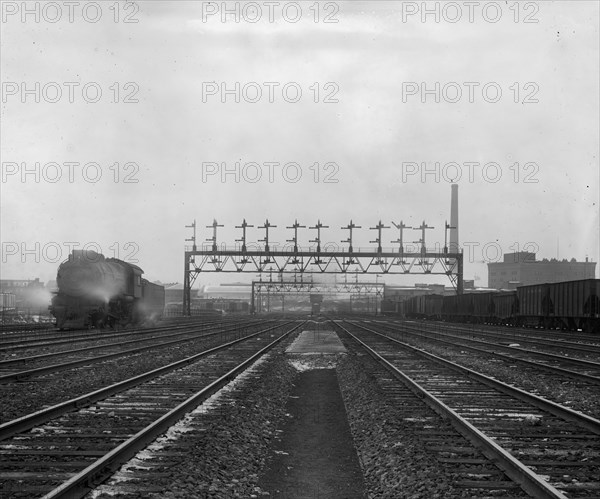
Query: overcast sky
530, 173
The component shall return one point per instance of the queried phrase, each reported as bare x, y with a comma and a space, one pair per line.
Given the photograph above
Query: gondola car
423, 307
484, 307
458, 308
506, 308
566, 305
433, 306
561, 305
94, 291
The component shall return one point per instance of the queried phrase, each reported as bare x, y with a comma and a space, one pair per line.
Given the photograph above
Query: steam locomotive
94, 291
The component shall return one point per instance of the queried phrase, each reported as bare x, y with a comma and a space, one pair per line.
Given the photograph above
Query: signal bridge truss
324, 262
271, 288
295, 260
304, 287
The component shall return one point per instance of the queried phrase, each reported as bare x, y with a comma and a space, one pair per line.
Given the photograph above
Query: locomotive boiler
94, 291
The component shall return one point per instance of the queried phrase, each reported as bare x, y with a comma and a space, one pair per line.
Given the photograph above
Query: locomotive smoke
104, 292
39, 298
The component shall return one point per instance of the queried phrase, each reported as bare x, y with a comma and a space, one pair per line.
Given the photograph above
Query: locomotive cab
136, 284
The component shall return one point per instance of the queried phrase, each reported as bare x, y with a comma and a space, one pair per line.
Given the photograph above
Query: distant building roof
174, 287
242, 292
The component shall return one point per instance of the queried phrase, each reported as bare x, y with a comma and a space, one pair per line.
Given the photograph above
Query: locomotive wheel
98, 319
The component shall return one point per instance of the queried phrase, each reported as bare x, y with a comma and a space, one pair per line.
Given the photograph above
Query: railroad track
66, 449
34, 387
560, 365
557, 335
11, 369
548, 449
548, 340
52, 338
14, 328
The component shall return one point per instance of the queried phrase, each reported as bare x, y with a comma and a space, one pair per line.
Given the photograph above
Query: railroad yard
234, 261
297, 406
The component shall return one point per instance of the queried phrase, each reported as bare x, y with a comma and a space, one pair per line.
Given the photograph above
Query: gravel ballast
221, 452
32, 394
228, 451
395, 461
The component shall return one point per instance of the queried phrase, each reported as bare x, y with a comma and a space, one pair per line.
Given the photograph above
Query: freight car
562, 305
505, 308
424, 307
488, 307
94, 291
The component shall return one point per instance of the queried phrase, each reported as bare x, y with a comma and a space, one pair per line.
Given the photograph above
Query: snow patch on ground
173, 433
308, 362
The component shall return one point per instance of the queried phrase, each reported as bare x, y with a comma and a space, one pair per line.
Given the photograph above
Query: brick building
522, 269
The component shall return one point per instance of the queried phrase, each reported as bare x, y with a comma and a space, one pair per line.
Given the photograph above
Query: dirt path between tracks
315, 455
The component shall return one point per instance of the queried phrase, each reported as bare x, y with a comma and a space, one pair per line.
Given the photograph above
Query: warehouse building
522, 269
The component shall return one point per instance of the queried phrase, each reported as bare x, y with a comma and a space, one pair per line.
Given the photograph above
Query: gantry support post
186, 307
459, 281
186, 303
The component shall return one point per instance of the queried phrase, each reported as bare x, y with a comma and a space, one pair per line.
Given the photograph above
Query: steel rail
10, 328
515, 469
566, 372
181, 330
524, 338
561, 411
27, 422
94, 334
93, 475
20, 375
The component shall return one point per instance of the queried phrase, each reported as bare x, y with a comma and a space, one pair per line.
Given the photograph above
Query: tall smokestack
453, 246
